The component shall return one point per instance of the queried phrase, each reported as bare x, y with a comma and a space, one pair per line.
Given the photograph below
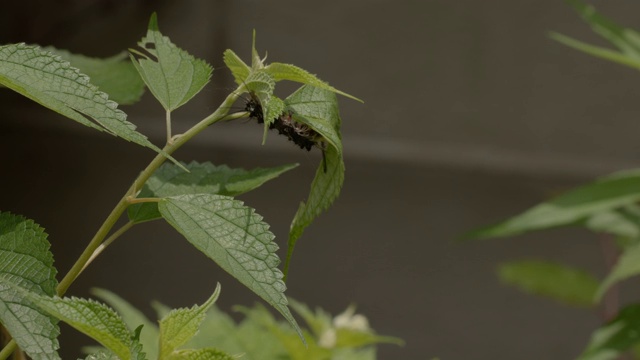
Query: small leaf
172, 75
605, 194
202, 354
114, 75
614, 338
558, 282
236, 238
27, 262
238, 68
102, 355
622, 222
597, 51
325, 188
202, 178
628, 265
93, 319
180, 325
280, 71
50, 81
318, 322
133, 318
627, 40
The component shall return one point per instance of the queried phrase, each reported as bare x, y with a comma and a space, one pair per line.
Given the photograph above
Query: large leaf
93, 319
556, 281
606, 194
317, 109
25, 261
202, 178
628, 265
172, 75
114, 75
180, 325
614, 338
133, 318
236, 238
52, 82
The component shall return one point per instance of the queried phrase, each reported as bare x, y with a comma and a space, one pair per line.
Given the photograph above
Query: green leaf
622, 222
555, 281
318, 322
180, 325
236, 238
628, 265
93, 319
102, 355
605, 194
317, 109
280, 71
172, 75
627, 40
202, 354
614, 338
202, 178
27, 262
597, 51
114, 75
238, 68
133, 318
325, 188
50, 81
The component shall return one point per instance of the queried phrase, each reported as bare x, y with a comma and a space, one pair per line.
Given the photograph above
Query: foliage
197, 199
259, 335
608, 206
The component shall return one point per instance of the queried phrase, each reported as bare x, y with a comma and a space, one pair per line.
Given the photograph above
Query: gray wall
472, 114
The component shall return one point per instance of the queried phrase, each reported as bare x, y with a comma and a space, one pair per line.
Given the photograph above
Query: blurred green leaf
201, 354
238, 68
628, 265
172, 74
616, 337
236, 238
133, 318
555, 281
27, 262
202, 178
114, 75
603, 195
180, 325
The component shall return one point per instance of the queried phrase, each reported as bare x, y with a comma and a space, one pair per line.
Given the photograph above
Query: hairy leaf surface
114, 75
93, 319
172, 74
202, 178
52, 82
236, 238
27, 262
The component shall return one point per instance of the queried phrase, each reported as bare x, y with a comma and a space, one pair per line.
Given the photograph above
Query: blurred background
471, 114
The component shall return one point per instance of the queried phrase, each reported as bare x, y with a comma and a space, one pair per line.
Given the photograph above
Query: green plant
197, 199
608, 207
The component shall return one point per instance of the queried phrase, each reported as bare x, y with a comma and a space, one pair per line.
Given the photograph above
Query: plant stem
122, 205
108, 242
610, 300
8, 350
168, 121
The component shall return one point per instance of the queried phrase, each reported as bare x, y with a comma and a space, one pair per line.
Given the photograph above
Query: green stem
8, 350
122, 205
108, 242
168, 121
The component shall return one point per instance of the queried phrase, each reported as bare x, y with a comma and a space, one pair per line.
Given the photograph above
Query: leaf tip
153, 22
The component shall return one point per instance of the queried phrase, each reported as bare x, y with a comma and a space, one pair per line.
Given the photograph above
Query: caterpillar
298, 133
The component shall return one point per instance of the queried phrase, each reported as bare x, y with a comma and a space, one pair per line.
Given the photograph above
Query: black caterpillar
297, 132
